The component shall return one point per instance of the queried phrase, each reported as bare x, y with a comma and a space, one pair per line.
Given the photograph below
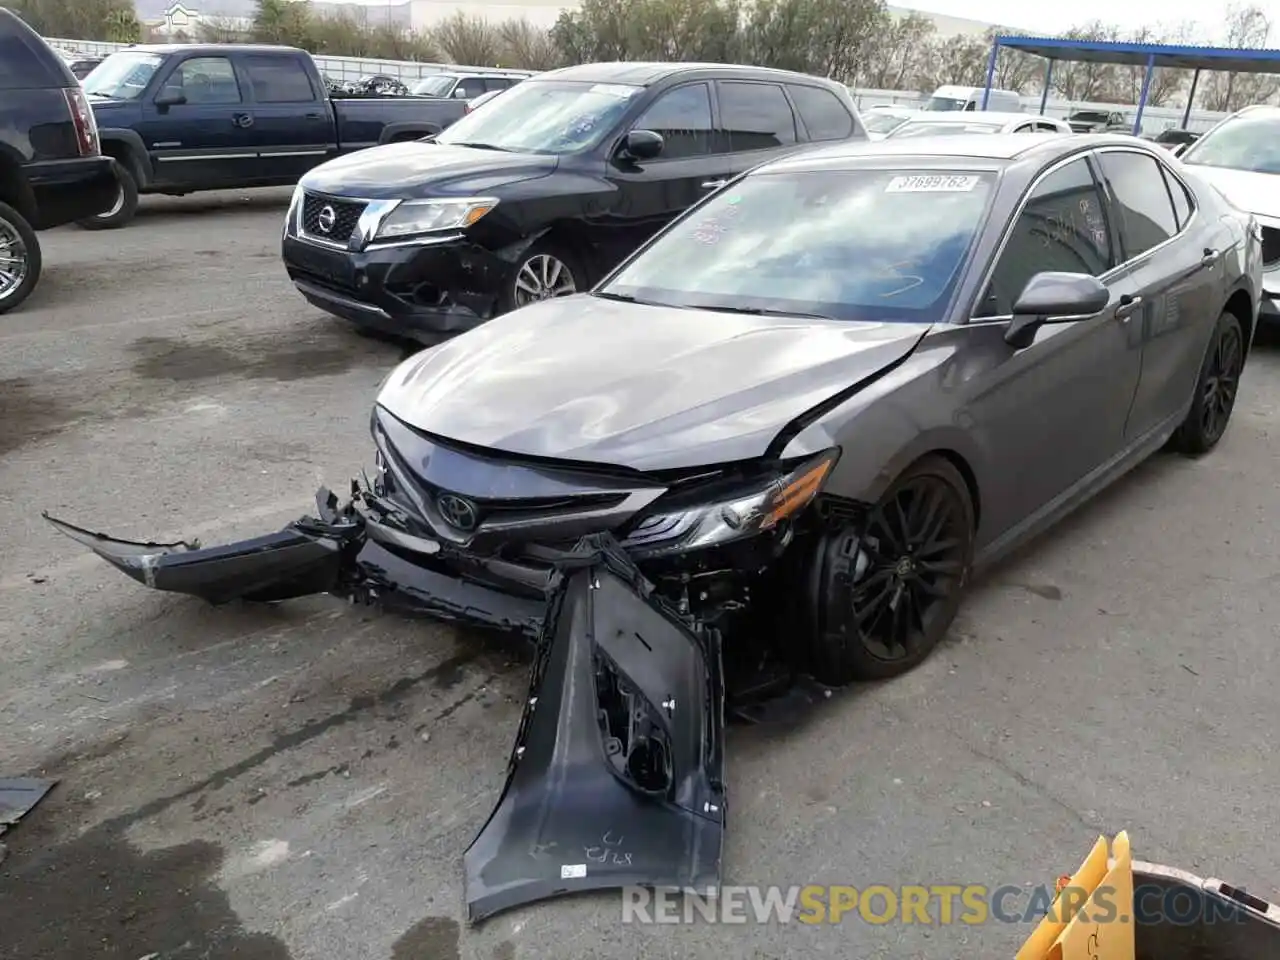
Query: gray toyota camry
775, 443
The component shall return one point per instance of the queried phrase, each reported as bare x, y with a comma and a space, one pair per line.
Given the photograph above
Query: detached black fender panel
617, 776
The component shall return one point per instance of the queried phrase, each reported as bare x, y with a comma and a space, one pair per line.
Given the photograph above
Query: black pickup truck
184, 117
51, 169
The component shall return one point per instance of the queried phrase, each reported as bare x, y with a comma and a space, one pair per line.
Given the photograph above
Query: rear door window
279, 80
23, 65
1182, 204
1145, 209
821, 112
754, 116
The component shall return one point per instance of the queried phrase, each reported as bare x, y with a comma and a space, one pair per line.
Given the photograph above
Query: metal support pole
1191, 98
1048, 82
991, 70
1142, 100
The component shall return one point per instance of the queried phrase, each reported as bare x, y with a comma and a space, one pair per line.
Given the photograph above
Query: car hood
650, 388
1252, 192
417, 169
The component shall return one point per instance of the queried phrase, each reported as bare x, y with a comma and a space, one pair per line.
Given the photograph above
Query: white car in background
1240, 156
931, 124
880, 121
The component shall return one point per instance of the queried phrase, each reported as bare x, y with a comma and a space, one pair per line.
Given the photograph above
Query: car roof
646, 74
207, 49
997, 148
971, 116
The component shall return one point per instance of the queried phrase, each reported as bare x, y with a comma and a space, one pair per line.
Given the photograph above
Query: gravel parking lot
300, 782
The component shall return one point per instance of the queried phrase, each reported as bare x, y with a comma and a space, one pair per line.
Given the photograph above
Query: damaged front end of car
625, 582
617, 775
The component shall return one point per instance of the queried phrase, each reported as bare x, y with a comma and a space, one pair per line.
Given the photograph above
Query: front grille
1270, 246
316, 217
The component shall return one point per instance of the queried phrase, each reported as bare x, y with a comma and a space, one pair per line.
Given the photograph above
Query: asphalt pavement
300, 782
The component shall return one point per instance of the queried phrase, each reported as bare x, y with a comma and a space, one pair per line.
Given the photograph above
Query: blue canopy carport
1147, 55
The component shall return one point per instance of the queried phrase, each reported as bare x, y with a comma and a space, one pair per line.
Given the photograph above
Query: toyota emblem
326, 219
457, 512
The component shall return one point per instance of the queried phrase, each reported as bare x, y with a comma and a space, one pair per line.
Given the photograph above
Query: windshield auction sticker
937, 183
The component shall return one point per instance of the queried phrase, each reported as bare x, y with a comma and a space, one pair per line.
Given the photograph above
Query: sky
1128, 14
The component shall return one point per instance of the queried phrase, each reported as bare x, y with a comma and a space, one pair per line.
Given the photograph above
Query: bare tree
1248, 27
468, 39
1086, 80
1015, 70
958, 59
527, 46
904, 42
221, 30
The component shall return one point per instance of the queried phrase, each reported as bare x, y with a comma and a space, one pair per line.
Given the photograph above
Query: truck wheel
20, 259
126, 204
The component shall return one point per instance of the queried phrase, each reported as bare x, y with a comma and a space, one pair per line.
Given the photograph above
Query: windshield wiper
476, 145
761, 312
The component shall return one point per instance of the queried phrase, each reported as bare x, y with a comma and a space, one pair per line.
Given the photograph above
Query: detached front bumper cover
617, 774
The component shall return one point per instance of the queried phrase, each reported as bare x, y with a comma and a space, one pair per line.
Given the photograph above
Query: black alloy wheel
889, 596
1216, 389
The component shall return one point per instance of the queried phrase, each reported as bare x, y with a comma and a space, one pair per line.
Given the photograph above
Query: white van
970, 98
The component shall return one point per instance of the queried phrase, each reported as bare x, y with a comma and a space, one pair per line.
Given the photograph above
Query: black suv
51, 166
543, 191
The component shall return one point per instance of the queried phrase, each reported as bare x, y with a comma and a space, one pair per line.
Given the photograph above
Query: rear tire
884, 600
20, 259
1216, 389
126, 204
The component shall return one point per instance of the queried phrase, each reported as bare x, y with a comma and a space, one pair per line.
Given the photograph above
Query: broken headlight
413, 217
733, 514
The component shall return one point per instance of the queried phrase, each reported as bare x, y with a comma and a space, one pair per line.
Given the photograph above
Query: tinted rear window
26, 63
822, 113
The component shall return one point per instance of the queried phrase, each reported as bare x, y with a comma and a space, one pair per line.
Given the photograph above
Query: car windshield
1090, 116
437, 86
926, 129
545, 116
1242, 143
873, 245
878, 121
122, 76
946, 103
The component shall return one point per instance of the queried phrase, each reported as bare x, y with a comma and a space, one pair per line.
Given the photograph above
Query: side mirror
641, 145
170, 98
1180, 149
1052, 296
459, 93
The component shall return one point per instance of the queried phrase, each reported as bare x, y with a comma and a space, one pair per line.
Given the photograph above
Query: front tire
545, 271
126, 204
885, 599
1216, 388
20, 259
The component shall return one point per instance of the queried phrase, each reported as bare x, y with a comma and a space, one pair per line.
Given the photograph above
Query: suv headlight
412, 217
735, 514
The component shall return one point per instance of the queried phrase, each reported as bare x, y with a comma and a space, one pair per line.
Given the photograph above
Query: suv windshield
545, 116
1090, 116
437, 86
874, 245
879, 121
1241, 143
122, 76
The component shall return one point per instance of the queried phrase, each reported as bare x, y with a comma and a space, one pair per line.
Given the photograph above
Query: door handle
1128, 307
242, 120
713, 184
1210, 257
